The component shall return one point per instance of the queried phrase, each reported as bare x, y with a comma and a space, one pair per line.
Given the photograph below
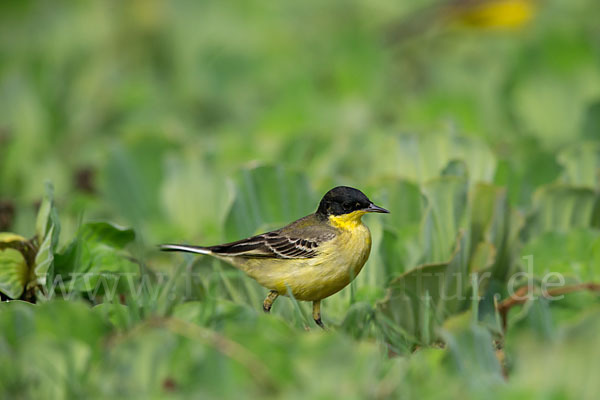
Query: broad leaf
445, 206
471, 348
265, 198
581, 164
422, 158
132, 178
95, 261
574, 254
560, 208
8, 237
13, 272
419, 301
107, 233
400, 246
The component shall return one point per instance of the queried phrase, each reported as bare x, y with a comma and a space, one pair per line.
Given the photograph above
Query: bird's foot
268, 303
320, 323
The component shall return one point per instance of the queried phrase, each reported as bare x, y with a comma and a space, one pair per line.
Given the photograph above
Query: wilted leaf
7, 237
13, 272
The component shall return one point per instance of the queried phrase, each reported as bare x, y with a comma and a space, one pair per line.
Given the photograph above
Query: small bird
313, 257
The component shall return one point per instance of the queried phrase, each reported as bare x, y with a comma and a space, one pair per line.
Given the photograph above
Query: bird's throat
347, 221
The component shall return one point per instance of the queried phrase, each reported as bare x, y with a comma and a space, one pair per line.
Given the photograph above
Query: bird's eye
357, 205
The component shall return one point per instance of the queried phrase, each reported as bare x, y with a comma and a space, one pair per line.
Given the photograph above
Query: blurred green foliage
476, 123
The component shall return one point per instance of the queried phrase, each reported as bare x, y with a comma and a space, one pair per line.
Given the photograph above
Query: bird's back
338, 258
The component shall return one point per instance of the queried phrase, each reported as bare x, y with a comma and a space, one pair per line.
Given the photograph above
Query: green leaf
41, 224
534, 316
267, 197
422, 158
191, 194
47, 231
445, 206
357, 321
455, 168
560, 208
495, 229
471, 349
591, 123
70, 319
420, 300
94, 261
483, 257
400, 248
43, 259
108, 271
574, 254
47, 217
489, 214
117, 314
107, 233
405, 201
131, 182
526, 168
13, 272
581, 163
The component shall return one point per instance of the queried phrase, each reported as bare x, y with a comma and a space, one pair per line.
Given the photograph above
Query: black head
345, 200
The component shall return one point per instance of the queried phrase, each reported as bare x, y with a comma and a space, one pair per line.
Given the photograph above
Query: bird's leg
317, 313
269, 300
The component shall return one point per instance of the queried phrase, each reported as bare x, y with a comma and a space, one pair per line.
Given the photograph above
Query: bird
311, 258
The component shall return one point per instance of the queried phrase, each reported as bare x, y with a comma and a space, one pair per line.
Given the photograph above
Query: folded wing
272, 245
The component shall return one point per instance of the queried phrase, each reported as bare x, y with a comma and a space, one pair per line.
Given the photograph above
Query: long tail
184, 247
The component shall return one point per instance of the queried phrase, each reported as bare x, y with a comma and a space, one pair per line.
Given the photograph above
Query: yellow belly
338, 263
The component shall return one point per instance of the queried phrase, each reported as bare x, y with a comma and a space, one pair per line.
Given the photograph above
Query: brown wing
300, 239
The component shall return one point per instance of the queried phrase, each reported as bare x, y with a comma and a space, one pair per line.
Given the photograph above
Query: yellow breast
339, 261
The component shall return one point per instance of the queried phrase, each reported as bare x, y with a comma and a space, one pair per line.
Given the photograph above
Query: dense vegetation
128, 124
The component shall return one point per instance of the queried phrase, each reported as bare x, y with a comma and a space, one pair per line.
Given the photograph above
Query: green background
204, 122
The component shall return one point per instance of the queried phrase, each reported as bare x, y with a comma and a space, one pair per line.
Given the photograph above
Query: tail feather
185, 248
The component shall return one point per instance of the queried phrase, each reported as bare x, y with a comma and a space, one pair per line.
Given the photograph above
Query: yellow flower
494, 13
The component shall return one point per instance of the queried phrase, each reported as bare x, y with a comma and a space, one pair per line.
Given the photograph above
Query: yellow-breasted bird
313, 257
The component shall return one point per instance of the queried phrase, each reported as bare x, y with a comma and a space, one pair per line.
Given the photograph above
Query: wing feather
272, 245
